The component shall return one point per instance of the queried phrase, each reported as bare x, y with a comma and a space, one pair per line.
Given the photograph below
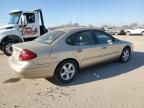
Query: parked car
62, 52
113, 31
135, 31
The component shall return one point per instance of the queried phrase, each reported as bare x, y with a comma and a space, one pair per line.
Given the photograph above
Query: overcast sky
96, 12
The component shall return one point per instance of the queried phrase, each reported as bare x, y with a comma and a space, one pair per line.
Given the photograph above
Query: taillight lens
27, 55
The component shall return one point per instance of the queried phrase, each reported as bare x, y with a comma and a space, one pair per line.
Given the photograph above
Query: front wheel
7, 48
125, 56
66, 71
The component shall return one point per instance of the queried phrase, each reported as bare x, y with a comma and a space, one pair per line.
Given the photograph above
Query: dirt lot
112, 85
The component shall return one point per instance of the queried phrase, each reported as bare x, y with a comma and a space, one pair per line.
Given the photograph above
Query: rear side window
81, 38
50, 37
141, 28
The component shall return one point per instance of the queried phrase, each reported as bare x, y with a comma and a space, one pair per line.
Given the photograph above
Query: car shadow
12, 80
107, 70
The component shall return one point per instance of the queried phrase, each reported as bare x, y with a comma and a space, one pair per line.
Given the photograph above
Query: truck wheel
143, 33
128, 33
66, 71
7, 49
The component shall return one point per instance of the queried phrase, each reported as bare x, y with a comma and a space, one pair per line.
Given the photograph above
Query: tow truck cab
22, 26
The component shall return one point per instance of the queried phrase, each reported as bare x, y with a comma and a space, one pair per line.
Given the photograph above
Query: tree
133, 25
90, 25
75, 25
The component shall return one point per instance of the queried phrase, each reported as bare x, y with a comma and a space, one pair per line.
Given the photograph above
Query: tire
128, 33
66, 72
125, 56
142, 33
7, 48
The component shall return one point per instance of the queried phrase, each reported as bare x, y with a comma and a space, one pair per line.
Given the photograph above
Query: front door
31, 27
106, 48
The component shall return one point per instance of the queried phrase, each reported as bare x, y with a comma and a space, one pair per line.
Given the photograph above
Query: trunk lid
41, 50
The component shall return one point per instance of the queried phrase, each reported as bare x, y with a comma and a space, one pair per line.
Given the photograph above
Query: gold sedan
62, 52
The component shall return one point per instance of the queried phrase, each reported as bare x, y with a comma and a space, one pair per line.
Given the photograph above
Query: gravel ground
111, 85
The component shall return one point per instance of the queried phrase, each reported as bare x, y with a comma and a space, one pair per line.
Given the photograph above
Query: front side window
102, 37
49, 37
82, 38
30, 17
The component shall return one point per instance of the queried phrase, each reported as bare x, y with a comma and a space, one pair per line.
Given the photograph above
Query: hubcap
126, 55
9, 48
67, 72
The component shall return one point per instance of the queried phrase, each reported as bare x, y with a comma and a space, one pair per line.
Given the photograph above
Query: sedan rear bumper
37, 71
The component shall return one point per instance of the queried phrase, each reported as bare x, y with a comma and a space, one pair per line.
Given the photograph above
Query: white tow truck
22, 26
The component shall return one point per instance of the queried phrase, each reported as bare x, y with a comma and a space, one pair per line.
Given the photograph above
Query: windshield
50, 37
14, 18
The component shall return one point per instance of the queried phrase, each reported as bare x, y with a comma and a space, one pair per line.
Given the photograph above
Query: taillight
27, 55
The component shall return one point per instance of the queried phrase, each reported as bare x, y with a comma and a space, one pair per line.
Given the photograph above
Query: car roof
76, 29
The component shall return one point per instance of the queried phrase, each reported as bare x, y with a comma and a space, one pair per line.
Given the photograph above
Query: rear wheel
128, 33
125, 56
7, 48
66, 71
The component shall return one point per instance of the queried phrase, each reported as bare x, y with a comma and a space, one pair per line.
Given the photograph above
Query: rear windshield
50, 37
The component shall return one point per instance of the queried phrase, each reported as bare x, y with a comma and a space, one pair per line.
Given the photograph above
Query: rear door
84, 47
